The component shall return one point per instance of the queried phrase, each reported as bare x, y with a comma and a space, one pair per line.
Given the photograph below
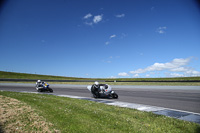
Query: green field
119, 81
13, 75
74, 115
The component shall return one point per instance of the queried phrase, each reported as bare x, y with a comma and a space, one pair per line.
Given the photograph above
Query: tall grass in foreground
73, 115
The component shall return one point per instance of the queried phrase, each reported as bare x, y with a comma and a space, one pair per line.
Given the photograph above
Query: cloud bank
178, 67
175, 65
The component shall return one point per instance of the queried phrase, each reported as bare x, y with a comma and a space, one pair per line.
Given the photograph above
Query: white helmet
39, 81
96, 83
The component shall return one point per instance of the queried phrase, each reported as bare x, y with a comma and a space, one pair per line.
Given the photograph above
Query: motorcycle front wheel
50, 90
114, 95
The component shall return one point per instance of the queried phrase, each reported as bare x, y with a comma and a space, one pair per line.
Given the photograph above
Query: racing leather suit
95, 89
38, 84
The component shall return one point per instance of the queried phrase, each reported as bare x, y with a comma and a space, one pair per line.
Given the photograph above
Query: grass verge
74, 115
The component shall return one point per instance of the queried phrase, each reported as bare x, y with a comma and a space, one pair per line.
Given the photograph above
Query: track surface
186, 98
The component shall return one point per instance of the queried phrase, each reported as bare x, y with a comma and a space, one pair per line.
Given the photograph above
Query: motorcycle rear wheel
39, 90
95, 95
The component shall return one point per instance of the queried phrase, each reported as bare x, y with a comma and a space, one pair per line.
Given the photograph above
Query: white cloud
161, 30
123, 74
107, 43
136, 75
175, 75
192, 73
179, 69
147, 75
89, 19
112, 36
87, 16
120, 15
112, 77
89, 23
175, 65
189, 72
97, 18
138, 71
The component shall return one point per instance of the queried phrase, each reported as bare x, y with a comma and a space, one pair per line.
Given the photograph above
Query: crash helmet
39, 81
96, 83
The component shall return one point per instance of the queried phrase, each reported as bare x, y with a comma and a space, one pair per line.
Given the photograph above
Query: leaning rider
95, 88
39, 83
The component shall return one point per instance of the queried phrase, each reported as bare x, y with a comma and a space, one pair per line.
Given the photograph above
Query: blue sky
101, 38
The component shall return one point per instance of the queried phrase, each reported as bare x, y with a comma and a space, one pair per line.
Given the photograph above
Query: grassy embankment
137, 81
73, 115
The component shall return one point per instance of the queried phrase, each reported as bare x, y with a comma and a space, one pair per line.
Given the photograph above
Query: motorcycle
43, 87
105, 91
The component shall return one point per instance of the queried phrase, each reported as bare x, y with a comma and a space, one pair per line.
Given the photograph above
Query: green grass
73, 115
13, 75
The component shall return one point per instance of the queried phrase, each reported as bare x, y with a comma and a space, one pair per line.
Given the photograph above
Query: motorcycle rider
38, 83
95, 88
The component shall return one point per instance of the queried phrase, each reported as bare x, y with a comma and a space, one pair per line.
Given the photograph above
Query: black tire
95, 96
51, 90
110, 96
114, 95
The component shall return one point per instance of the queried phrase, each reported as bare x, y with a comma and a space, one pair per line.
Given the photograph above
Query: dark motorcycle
43, 87
104, 91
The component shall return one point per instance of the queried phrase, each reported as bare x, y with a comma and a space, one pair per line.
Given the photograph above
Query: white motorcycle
105, 91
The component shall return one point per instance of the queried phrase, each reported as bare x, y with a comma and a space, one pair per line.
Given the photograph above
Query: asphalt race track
186, 98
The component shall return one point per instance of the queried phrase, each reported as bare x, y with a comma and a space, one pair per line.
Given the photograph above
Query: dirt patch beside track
16, 116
